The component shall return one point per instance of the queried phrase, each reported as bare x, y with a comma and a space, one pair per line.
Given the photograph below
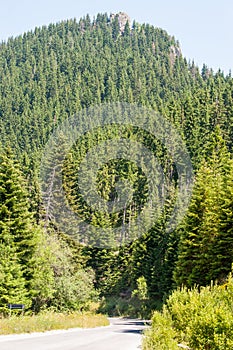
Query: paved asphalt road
122, 334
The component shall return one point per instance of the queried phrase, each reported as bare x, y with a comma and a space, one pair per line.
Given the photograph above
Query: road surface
122, 334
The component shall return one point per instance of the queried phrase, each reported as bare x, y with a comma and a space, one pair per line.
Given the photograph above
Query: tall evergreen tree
12, 283
16, 224
206, 244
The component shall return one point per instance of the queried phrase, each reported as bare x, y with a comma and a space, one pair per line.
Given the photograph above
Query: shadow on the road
129, 326
131, 331
131, 323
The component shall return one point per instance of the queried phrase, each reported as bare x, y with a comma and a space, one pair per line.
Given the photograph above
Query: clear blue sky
204, 28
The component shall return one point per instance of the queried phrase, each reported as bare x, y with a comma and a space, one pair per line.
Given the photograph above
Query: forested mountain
53, 72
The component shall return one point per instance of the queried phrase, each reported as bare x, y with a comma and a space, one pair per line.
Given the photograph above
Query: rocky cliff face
122, 19
175, 51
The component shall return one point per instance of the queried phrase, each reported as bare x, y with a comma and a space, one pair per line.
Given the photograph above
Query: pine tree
205, 252
16, 228
222, 249
191, 251
12, 283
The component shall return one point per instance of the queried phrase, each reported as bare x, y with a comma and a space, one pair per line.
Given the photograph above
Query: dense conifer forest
53, 72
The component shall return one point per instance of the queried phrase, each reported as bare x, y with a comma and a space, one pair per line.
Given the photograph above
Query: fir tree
16, 224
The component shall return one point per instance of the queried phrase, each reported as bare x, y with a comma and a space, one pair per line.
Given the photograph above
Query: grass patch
48, 321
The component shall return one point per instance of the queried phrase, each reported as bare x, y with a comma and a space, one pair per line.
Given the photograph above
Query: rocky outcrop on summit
123, 18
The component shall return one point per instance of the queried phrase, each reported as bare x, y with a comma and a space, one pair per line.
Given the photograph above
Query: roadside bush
201, 318
59, 283
114, 306
161, 336
74, 292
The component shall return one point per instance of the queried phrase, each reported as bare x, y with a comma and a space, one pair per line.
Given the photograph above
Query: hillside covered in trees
54, 72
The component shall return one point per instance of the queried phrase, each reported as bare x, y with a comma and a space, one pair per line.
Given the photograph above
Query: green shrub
115, 306
161, 336
201, 318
